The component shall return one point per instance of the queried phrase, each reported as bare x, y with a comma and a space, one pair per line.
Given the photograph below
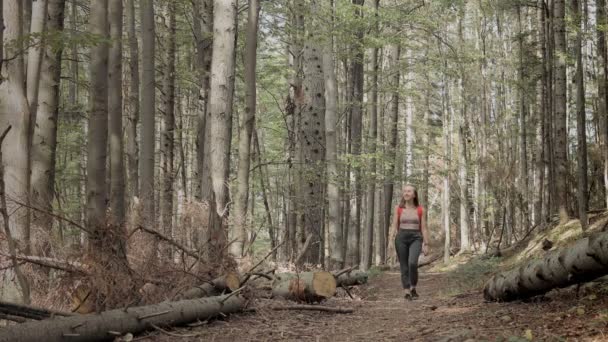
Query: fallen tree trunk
351, 278
224, 284
583, 261
113, 323
305, 286
28, 311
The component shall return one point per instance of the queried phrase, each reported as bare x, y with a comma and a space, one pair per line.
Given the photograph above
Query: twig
348, 292
154, 314
170, 241
346, 270
304, 250
314, 308
232, 294
173, 334
260, 262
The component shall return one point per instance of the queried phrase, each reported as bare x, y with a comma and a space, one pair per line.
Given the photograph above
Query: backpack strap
420, 212
399, 211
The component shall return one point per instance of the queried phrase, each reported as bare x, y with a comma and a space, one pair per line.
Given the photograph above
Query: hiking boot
414, 294
408, 295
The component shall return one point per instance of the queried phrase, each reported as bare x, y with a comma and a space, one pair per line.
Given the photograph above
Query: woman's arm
425, 236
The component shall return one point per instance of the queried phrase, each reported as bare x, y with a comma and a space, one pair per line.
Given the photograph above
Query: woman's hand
425, 249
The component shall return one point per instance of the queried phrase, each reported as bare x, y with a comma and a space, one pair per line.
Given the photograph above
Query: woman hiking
410, 237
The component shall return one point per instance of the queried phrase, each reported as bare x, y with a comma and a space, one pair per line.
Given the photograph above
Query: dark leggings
408, 244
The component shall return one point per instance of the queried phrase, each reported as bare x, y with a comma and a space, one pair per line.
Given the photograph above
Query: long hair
416, 202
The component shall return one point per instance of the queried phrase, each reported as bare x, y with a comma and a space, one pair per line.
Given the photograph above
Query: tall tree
581, 122
561, 135
312, 141
34, 55
98, 127
336, 256
247, 123
117, 168
44, 143
373, 136
168, 127
356, 128
148, 107
220, 107
14, 112
133, 119
389, 184
602, 84
203, 28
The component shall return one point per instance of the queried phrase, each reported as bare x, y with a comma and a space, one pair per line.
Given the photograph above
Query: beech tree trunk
203, 28
393, 136
44, 144
581, 122
561, 146
34, 55
168, 129
114, 323
583, 261
98, 128
602, 83
368, 252
246, 130
117, 167
336, 256
148, 108
133, 119
312, 142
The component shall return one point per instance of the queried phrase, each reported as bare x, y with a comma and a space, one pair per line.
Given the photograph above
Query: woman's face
408, 193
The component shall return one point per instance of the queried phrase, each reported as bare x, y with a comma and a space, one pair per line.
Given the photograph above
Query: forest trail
382, 314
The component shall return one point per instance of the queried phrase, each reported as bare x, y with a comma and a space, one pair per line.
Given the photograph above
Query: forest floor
450, 308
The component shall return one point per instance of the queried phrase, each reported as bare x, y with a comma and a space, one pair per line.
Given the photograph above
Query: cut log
305, 286
585, 260
224, 284
113, 323
352, 278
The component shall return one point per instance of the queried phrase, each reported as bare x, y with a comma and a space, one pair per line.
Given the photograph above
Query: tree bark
583, 261
356, 139
203, 27
306, 286
220, 113
336, 257
447, 134
34, 55
393, 136
44, 144
114, 323
98, 128
312, 141
148, 108
117, 167
561, 146
246, 130
581, 122
168, 129
227, 283
373, 137
133, 119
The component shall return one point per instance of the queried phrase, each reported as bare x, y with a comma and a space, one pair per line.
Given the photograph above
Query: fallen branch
309, 308
341, 272
27, 311
62, 265
113, 323
248, 273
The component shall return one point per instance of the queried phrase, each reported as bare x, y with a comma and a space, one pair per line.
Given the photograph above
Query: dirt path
381, 314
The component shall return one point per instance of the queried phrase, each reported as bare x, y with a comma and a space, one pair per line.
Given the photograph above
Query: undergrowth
469, 276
